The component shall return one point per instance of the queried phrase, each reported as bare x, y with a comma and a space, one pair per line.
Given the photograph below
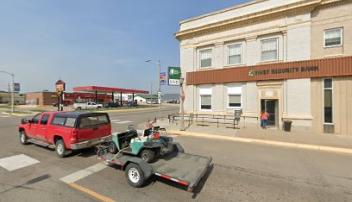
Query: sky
93, 42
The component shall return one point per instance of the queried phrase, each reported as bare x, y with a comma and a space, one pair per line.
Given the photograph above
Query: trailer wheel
148, 155
134, 175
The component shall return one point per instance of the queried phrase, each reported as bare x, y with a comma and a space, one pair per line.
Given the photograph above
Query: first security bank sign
253, 73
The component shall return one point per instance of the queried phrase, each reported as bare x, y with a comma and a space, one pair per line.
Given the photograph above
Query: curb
128, 110
266, 142
17, 114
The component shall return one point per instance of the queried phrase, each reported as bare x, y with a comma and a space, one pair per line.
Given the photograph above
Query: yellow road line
91, 193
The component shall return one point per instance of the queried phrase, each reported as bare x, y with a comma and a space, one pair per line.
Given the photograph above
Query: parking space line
91, 193
74, 177
122, 122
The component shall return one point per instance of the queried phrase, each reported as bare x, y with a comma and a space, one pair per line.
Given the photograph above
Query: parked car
112, 105
66, 131
87, 105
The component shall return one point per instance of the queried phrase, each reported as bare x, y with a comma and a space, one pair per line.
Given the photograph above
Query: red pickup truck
66, 131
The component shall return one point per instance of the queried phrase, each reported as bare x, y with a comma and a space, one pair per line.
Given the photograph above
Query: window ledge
234, 107
269, 62
205, 68
234, 65
333, 46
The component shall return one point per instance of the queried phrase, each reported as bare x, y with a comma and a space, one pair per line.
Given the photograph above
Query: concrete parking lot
241, 172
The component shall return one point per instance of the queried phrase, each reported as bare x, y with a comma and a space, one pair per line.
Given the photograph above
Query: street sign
174, 76
163, 78
16, 87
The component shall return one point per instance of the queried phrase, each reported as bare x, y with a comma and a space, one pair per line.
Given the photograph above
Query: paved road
241, 172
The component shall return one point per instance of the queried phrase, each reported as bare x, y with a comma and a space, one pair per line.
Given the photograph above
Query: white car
87, 105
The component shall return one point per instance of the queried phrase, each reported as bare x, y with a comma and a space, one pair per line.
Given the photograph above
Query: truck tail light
74, 137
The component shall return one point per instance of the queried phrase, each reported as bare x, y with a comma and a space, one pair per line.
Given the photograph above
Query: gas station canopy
101, 89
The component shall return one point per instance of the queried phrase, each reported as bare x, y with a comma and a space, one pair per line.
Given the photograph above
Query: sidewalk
270, 136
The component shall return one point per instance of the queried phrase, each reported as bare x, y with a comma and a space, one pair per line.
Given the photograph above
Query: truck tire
134, 175
148, 155
23, 138
60, 148
79, 108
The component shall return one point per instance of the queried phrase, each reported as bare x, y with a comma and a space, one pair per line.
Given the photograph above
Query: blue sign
16, 87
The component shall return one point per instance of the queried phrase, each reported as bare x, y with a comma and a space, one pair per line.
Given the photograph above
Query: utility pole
13, 93
12, 89
151, 93
159, 89
182, 99
159, 85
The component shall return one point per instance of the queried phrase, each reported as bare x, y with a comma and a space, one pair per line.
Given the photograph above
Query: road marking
91, 193
4, 116
74, 177
115, 120
122, 122
16, 162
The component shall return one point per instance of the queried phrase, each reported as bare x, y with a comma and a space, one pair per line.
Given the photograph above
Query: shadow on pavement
201, 184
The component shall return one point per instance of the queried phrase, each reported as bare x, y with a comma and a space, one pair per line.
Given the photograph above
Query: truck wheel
60, 148
23, 138
99, 107
148, 155
79, 108
134, 174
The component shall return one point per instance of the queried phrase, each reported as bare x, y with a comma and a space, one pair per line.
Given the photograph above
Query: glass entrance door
271, 107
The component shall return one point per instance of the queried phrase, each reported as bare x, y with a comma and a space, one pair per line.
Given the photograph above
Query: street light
159, 87
12, 88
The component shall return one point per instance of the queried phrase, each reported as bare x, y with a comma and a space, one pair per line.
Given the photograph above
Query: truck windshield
94, 120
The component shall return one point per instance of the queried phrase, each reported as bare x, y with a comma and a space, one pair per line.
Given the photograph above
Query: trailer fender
179, 147
145, 167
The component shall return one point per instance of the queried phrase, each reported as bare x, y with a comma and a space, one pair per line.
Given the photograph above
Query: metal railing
207, 119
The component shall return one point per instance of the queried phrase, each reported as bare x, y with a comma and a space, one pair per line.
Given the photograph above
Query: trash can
287, 125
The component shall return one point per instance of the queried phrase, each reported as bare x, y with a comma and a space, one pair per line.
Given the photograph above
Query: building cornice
307, 5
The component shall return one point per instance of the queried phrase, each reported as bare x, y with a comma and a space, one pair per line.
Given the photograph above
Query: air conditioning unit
329, 128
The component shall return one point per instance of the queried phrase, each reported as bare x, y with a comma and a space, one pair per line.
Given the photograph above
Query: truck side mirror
25, 121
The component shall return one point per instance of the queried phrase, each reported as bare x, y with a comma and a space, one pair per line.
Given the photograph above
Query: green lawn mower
149, 146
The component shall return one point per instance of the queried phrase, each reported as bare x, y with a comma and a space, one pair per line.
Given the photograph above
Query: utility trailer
182, 168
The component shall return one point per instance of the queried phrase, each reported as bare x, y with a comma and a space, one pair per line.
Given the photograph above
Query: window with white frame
270, 49
234, 96
333, 37
234, 54
205, 57
205, 98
